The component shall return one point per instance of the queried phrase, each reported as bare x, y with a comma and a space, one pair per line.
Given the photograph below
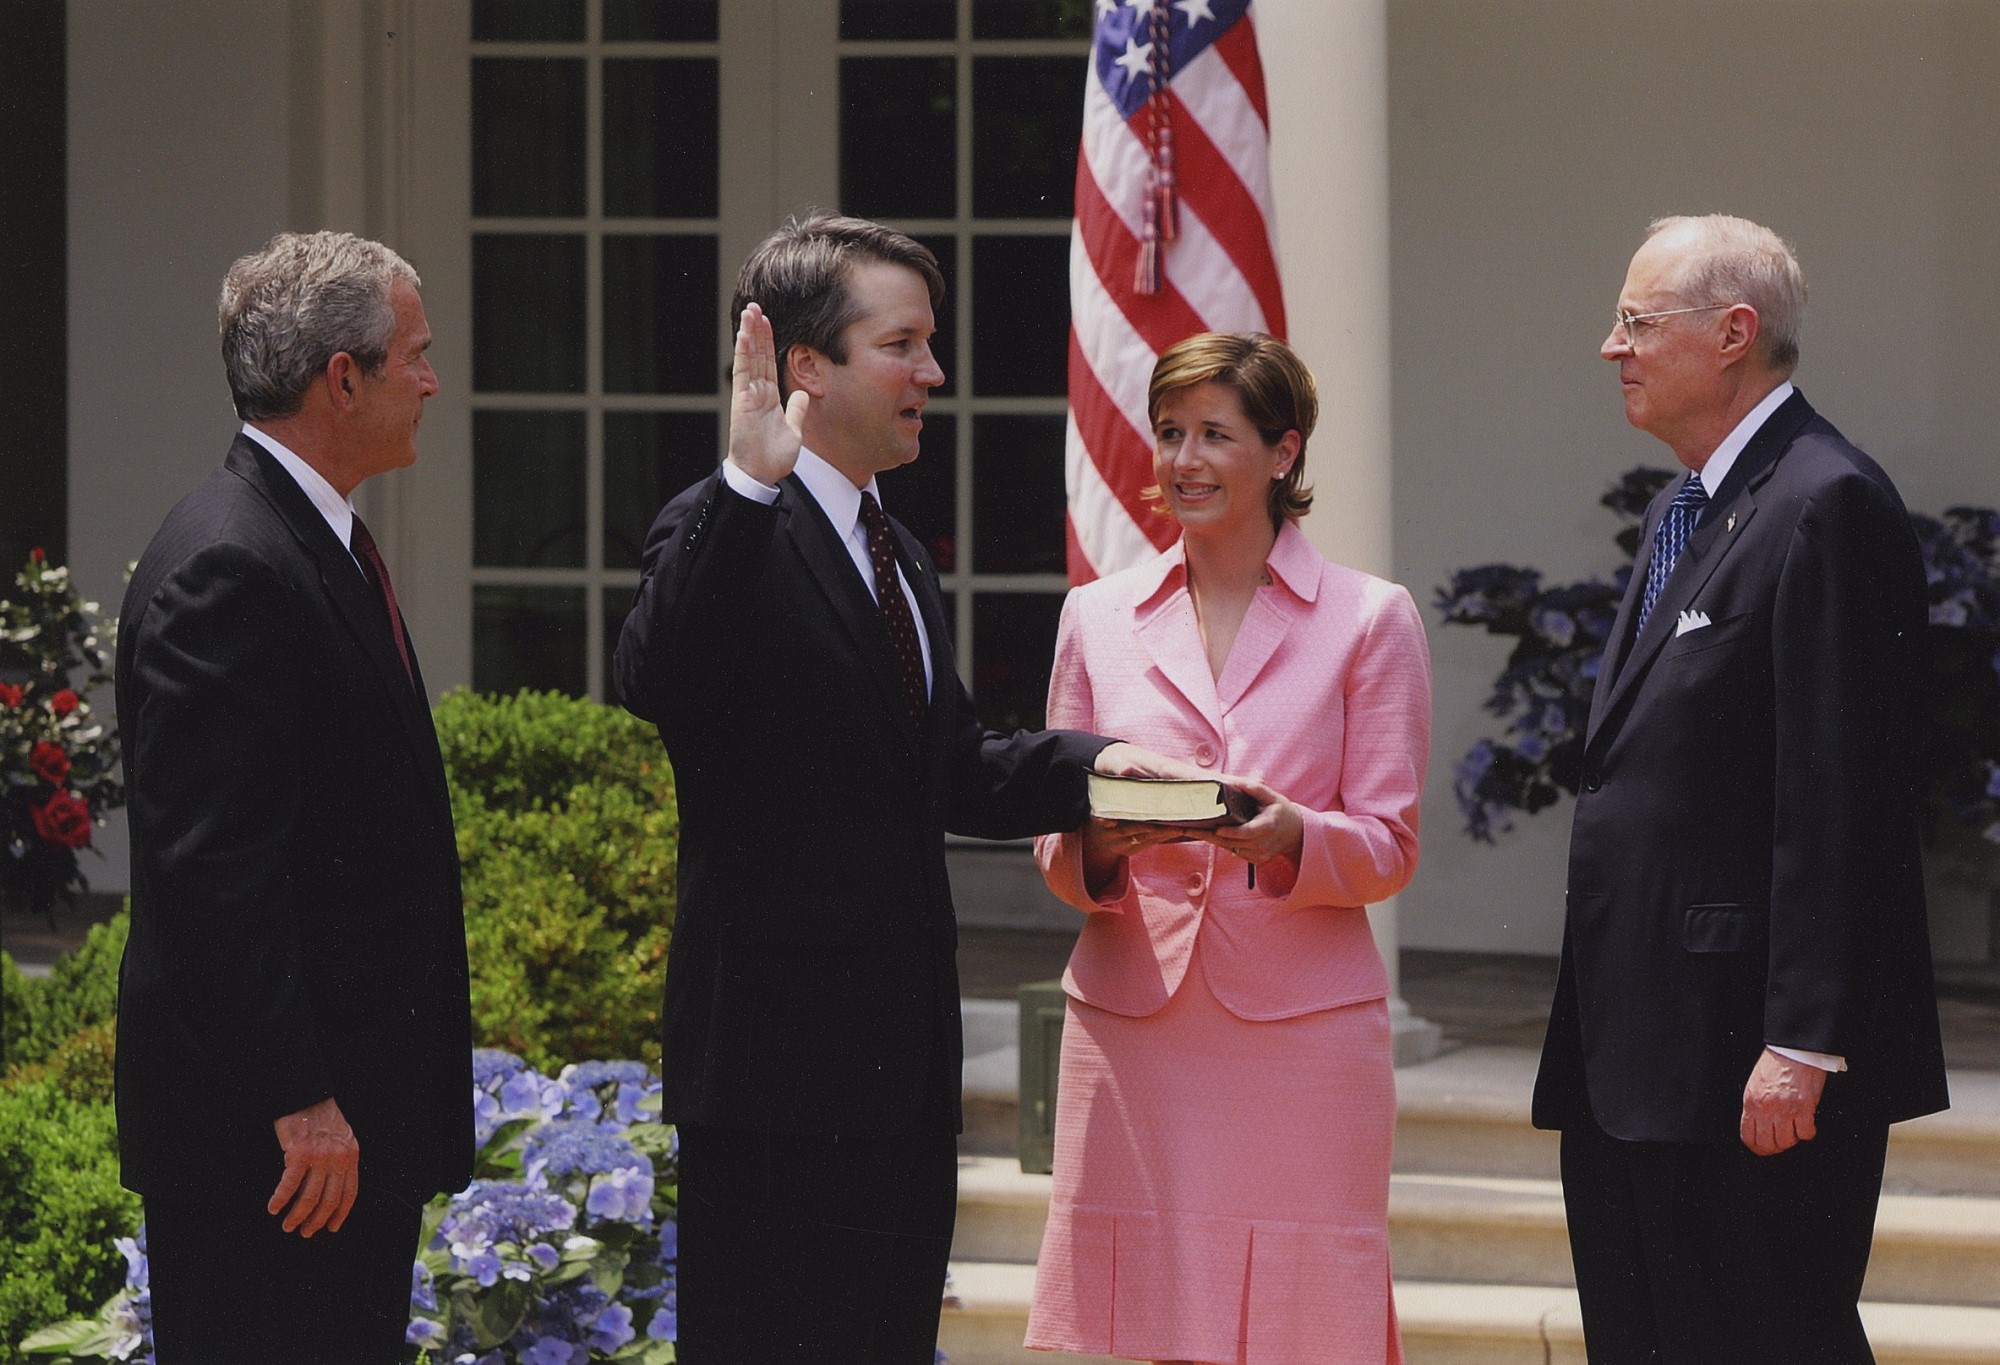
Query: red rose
37, 555
10, 695
64, 702
63, 820
49, 762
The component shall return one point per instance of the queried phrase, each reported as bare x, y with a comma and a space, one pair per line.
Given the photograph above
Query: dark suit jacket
1744, 866
296, 923
813, 983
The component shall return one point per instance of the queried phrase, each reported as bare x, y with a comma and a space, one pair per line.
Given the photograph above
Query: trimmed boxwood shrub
567, 831
60, 1207
80, 989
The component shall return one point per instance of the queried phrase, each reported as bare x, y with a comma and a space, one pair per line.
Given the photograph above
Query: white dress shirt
841, 501
338, 511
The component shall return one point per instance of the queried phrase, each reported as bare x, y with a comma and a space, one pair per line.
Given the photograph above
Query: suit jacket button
1592, 780
1204, 754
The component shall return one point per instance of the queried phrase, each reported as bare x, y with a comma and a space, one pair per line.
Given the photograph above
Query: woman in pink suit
1226, 1107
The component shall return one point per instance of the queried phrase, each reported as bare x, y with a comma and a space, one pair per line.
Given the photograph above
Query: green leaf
498, 1313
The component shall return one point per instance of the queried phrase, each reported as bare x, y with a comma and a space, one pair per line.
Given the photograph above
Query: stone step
1466, 1113
1460, 1324
1510, 1230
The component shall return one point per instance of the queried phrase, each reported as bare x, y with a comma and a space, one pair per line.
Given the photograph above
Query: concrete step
1461, 1324
1510, 1230
1466, 1113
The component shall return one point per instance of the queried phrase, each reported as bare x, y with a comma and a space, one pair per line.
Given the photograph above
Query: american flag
1173, 236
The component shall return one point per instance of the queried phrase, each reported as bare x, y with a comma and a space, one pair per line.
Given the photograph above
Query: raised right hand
764, 433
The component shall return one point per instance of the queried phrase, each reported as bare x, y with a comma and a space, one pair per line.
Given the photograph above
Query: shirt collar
833, 491
338, 511
1293, 562
1723, 460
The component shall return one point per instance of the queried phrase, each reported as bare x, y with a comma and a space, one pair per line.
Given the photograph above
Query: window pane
1027, 116
1032, 19
527, 137
865, 19
527, 313
527, 489
944, 346
1020, 310
666, 21
528, 637
923, 494
897, 136
660, 318
648, 458
1014, 635
527, 21
660, 137
1018, 497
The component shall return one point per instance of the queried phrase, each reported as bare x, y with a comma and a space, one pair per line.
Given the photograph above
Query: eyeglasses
1629, 322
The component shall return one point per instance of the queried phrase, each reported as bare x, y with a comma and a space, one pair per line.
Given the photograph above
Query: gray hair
1733, 260
291, 306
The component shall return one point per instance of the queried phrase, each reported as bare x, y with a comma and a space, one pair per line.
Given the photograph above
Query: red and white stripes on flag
1173, 236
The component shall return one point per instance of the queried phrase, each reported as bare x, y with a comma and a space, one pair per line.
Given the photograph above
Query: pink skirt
1221, 1187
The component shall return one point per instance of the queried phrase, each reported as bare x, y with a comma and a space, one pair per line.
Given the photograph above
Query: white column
1326, 73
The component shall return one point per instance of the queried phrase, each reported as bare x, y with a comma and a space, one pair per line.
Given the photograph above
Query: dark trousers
230, 1287
1712, 1255
815, 1249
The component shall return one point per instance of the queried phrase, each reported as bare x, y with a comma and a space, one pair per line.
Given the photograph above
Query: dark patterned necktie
377, 574
895, 607
1671, 538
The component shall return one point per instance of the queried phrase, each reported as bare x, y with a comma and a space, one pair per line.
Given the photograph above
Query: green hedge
60, 1207
567, 832
80, 989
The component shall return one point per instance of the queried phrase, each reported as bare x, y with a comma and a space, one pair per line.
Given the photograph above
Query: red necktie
377, 574
895, 607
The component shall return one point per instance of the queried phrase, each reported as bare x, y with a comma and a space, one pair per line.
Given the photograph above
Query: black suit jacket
1744, 866
813, 983
296, 924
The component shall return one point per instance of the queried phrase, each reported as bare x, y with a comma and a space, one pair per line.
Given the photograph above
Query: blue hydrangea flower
554, 1351
611, 1329
423, 1294
425, 1332
665, 1325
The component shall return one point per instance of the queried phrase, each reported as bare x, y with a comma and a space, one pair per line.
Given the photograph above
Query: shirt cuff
1825, 1061
747, 486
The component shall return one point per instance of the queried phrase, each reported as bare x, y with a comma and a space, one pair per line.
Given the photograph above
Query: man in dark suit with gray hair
294, 1049
1745, 1001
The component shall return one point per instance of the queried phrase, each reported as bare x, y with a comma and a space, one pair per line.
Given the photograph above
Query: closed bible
1193, 802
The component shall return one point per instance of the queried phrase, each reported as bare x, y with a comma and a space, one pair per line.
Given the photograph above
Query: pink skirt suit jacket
1227, 1103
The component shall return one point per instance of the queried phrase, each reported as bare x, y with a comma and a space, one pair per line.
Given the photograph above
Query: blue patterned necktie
1668, 542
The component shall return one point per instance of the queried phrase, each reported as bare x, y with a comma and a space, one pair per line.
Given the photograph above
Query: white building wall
178, 163
1530, 144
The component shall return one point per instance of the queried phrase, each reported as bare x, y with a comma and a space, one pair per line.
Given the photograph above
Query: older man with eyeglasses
1745, 1000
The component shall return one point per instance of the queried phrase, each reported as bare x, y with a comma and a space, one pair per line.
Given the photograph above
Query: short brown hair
1270, 381
798, 276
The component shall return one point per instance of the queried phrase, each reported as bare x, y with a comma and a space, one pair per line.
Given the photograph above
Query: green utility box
1042, 1005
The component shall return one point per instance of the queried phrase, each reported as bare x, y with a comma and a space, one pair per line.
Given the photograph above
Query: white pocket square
1690, 620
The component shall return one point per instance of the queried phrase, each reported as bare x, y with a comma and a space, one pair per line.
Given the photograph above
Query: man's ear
1740, 329
806, 368
342, 378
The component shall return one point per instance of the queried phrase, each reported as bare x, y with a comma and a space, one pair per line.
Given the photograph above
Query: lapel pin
1729, 525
